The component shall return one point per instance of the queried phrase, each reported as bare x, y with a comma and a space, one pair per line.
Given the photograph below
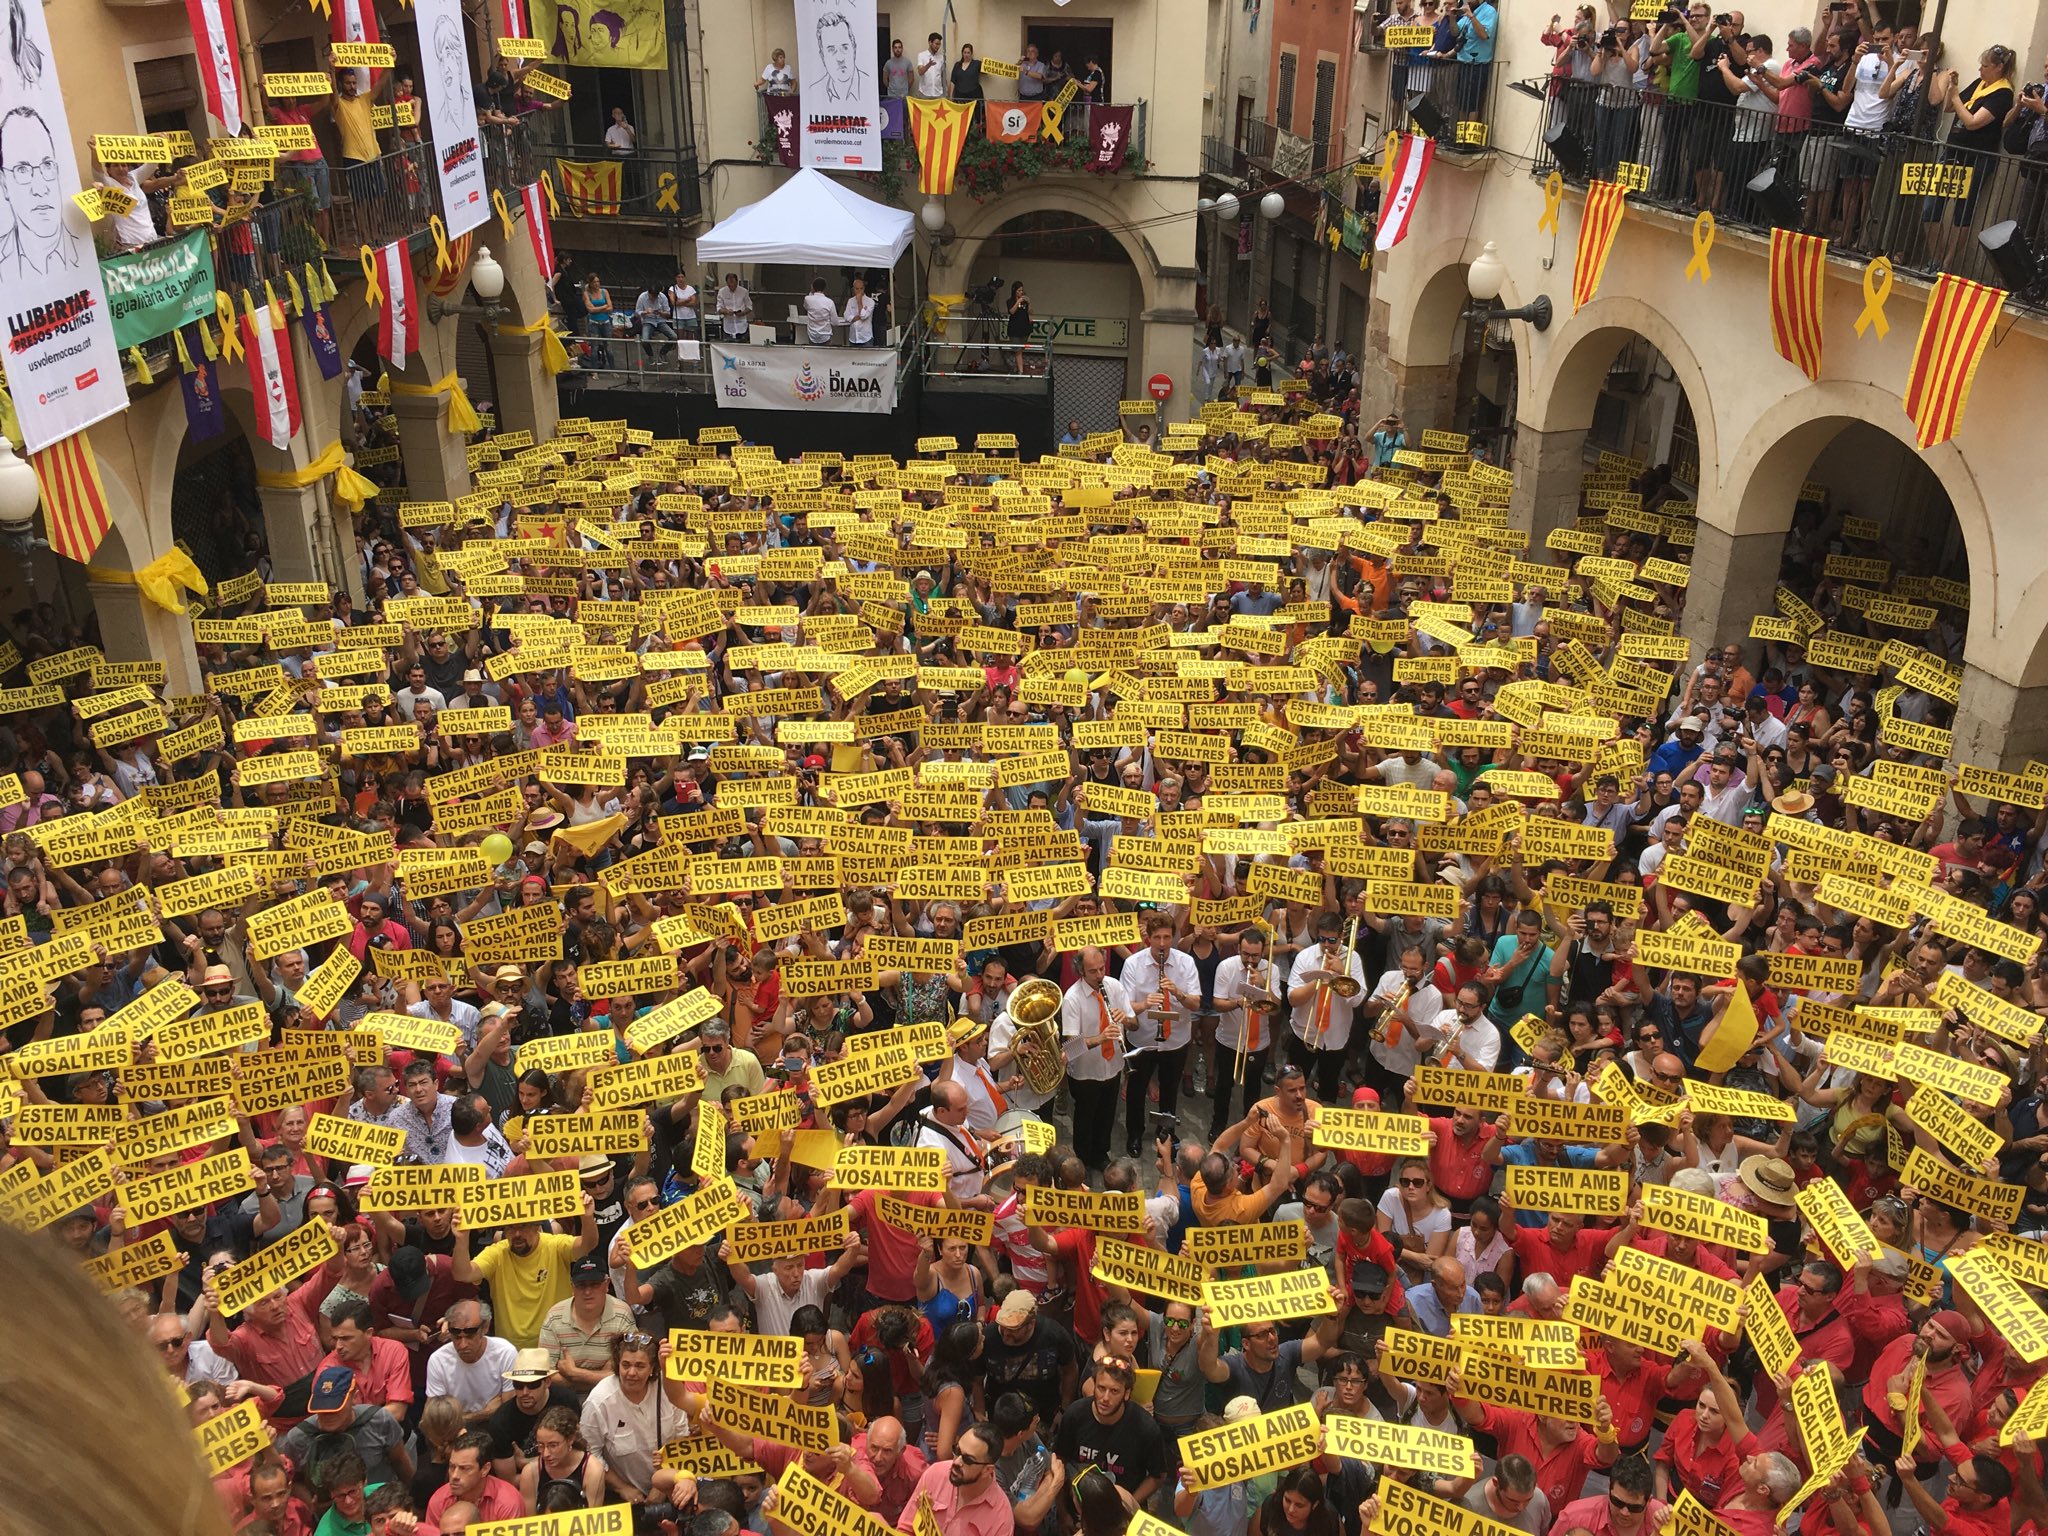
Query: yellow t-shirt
352, 122
523, 1289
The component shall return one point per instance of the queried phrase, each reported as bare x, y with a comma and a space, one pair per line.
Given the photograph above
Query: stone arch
1763, 476
1570, 362
1065, 197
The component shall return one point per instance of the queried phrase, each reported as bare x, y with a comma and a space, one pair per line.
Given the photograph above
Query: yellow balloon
497, 848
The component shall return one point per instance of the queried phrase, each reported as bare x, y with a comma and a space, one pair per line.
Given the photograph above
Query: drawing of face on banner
61, 361
842, 109
451, 109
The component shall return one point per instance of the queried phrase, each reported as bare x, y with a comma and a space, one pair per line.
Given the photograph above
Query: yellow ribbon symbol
547, 185
298, 298
1388, 156
142, 373
1877, 287
1702, 242
665, 199
373, 291
230, 330
1553, 200
276, 309
504, 212
439, 231
159, 580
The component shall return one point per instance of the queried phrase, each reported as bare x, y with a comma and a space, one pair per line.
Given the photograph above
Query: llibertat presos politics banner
839, 83
804, 378
62, 365
451, 110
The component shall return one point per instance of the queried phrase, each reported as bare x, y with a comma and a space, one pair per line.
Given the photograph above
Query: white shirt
819, 313
682, 302
1480, 1040
1141, 979
628, 1434
734, 304
449, 1375
1231, 981
1424, 1003
773, 1310
859, 316
1002, 1036
1727, 807
931, 74
137, 227
1868, 110
1337, 1022
979, 1084
962, 1147
1081, 1016
621, 137
777, 80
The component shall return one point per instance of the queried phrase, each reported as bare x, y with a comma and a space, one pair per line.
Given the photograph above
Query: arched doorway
1087, 301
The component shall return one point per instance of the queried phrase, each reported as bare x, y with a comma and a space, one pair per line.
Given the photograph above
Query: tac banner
620, 34
451, 111
840, 83
804, 378
62, 364
152, 293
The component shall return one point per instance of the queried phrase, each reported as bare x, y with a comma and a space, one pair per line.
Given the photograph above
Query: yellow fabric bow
547, 186
230, 329
351, 490
442, 261
373, 291
142, 373
462, 416
554, 357
159, 580
504, 211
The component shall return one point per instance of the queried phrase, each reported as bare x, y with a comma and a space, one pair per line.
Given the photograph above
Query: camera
1671, 16
986, 293
1724, 20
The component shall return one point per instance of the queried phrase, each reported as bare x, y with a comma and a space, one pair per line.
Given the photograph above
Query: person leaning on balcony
359, 147
2026, 135
931, 68
1478, 23
776, 79
137, 227
1031, 75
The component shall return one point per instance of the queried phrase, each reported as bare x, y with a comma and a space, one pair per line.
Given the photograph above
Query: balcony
1916, 202
1449, 101
653, 185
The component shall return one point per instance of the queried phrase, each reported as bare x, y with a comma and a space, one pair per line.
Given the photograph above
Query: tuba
1034, 1007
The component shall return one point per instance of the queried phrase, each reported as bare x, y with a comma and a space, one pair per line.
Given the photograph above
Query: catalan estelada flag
74, 500
939, 129
1602, 222
590, 187
1960, 316
1799, 269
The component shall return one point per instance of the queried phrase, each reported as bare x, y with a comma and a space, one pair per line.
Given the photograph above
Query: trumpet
1386, 1021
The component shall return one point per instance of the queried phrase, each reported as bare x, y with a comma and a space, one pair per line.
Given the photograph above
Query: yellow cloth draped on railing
351, 490
554, 357
159, 580
462, 416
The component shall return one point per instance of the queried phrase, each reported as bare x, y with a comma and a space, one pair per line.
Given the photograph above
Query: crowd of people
1640, 1049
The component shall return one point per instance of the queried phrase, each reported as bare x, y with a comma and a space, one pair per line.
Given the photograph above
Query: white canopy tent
811, 218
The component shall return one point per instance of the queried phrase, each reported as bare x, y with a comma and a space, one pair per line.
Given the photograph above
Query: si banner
800, 379
840, 76
1013, 122
451, 111
153, 292
62, 365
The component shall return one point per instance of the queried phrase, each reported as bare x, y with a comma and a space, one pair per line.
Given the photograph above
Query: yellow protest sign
912, 1169
353, 1141
1253, 1447
1704, 1218
1510, 1384
1588, 1191
2012, 1313
1231, 1247
1414, 1447
136, 1264
613, 1133
434, 1187
1632, 1273
1041, 1205
756, 1241
1358, 1130
1149, 1271
1405, 1510
274, 1266
1266, 1298
228, 1439
763, 1362
653, 1079
806, 1426
212, 1179
605, 1520
533, 1197
692, 1220
1988, 1198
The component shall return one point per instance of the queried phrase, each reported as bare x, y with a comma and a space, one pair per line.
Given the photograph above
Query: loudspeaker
1568, 150
1425, 116
1779, 205
2019, 267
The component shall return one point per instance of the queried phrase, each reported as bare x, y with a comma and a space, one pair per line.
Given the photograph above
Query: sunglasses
1631, 1506
465, 1333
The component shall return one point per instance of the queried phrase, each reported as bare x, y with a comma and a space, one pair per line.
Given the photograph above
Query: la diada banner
804, 378
151, 293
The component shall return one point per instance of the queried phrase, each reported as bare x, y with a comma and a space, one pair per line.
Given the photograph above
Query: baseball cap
1020, 1306
409, 1275
1368, 1279
588, 1271
531, 1365
814, 761
333, 1388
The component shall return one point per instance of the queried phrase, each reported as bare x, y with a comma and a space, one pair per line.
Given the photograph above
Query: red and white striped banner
355, 21
1411, 167
534, 196
399, 320
273, 389
220, 70
512, 19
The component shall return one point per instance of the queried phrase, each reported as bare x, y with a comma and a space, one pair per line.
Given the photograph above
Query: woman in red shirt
1697, 1456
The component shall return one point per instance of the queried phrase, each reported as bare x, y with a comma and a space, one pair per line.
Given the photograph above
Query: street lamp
1272, 205
19, 494
933, 214
1485, 278
1226, 206
488, 279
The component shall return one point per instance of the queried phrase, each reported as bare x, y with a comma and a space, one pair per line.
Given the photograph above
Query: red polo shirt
1560, 1473
1540, 1256
1704, 1471
892, 1252
385, 1377
1633, 1397
1459, 1167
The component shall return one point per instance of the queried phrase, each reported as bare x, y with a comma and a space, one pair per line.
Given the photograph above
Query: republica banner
451, 112
62, 366
840, 85
804, 378
156, 291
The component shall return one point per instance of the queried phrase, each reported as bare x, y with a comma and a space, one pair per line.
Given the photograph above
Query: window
1052, 235
1241, 122
1326, 104
1283, 94
1075, 42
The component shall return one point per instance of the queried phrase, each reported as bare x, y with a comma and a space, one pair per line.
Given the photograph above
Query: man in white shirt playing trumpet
1094, 1017
1248, 1006
1163, 984
1325, 986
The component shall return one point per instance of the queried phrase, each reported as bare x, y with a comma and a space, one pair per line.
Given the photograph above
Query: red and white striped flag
534, 196
220, 69
512, 19
1411, 166
398, 312
1799, 270
74, 500
355, 21
273, 389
